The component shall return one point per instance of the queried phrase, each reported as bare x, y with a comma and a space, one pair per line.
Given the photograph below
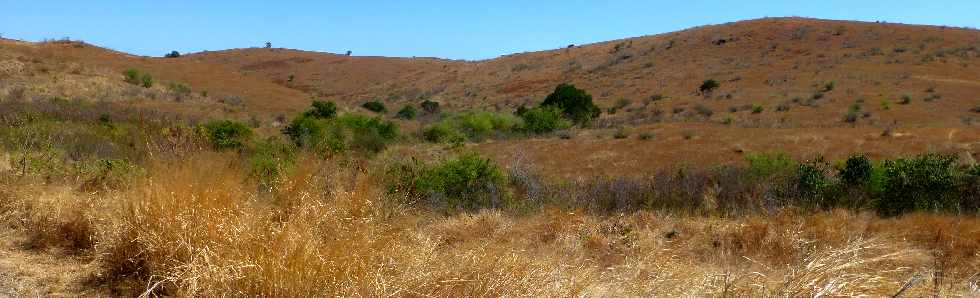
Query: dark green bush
407, 112
227, 134
322, 109
856, 171
430, 107
357, 132
375, 106
708, 86
543, 120
813, 182
575, 104
925, 182
172, 54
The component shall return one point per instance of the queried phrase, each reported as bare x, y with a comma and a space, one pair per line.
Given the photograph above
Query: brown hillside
917, 83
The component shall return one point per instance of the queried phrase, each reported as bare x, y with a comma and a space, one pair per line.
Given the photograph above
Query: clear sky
459, 29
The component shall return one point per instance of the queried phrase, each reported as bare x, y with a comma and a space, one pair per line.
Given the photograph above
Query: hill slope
785, 84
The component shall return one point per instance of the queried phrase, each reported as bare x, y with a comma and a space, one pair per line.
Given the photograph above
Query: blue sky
449, 29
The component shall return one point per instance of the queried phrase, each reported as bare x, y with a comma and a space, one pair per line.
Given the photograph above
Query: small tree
174, 54
575, 104
348, 53
268, 45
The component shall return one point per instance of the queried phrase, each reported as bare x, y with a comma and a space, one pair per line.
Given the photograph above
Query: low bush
322, 109
926, 182
856, 171
375, 106
227, 134
474, 126
407, 112
465, 182
708, 86
269, 161
543, 120
430, 107
338, 134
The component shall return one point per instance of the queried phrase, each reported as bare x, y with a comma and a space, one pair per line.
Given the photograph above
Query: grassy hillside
773, 157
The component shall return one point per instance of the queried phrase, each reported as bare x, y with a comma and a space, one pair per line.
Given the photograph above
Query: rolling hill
785, 84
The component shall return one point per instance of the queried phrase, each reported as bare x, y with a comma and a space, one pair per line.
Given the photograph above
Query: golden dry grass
198, 228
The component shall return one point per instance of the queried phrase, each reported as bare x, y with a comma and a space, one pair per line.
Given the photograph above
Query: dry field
329, 231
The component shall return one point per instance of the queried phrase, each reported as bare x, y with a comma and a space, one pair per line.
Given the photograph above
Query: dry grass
327, 231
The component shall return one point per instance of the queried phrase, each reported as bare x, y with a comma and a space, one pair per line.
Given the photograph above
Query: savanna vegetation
344, 204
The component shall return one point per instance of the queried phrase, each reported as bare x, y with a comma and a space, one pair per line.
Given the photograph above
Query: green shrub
829, 86
543, 120
146, 80
471, 125
132, 76
575, 104
443, 132
357, 132
905, 99
856, 172
430, 107
621, 133
270, 159
853, 113
375, 106
812, 181
925, 182
407, 112
756, 109
111, 174
764, 165
227, 134
172, 54
322, 109
468, 181
367, 134
708, 86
